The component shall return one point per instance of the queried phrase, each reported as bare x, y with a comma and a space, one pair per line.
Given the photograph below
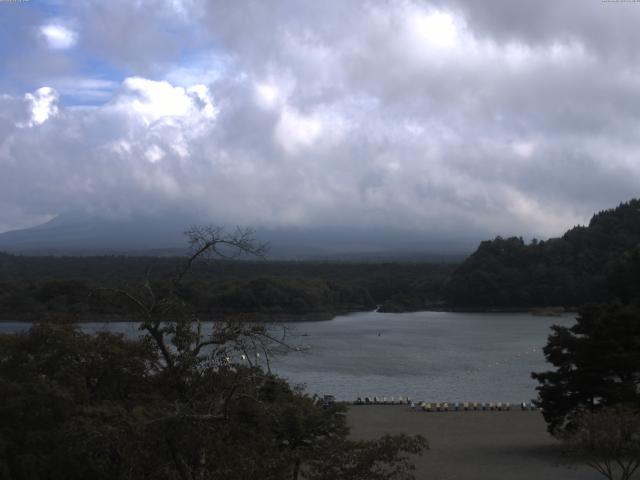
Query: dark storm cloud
609, 28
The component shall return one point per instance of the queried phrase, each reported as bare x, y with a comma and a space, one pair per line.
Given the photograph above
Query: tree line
38, 287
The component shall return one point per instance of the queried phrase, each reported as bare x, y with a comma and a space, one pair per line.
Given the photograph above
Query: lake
431, 356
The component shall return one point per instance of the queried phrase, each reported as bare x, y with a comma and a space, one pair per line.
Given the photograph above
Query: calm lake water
431, 356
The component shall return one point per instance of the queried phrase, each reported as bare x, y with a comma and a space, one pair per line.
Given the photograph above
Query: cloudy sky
487, 117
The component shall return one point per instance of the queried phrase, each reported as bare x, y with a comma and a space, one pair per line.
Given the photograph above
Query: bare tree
177, 329
609, 441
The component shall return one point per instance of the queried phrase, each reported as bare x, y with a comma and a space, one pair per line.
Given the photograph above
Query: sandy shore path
474, 445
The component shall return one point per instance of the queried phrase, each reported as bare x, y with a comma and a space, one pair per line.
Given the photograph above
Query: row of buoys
382, 401
445, 406
471, 406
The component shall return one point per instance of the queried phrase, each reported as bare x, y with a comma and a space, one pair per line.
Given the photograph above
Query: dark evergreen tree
597, 364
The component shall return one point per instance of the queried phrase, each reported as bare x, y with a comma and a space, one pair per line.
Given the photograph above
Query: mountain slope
79, 233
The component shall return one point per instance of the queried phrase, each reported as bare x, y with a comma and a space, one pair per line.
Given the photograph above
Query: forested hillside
599, 262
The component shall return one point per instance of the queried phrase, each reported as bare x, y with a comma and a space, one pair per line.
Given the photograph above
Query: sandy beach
474, 445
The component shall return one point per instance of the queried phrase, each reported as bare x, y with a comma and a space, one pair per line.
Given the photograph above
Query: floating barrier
439, 406
381, 401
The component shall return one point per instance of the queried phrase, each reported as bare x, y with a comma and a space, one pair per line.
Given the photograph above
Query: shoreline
287, 317
251, 317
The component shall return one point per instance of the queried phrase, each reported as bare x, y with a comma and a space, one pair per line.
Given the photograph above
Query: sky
483, 118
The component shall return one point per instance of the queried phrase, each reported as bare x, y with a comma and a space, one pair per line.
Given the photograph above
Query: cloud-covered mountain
80, 234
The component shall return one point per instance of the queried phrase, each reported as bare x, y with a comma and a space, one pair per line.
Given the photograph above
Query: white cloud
154, 154
295, 131
152, 100
58, 37
267, 95
524, 148
434, 29
42, 105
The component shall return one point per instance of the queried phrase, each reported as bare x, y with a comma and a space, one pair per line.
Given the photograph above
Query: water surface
432, 356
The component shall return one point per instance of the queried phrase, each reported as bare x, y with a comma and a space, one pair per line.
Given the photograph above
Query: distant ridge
82, 234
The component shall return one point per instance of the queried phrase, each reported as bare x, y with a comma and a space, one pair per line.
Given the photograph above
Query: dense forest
54, 287
596, 263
